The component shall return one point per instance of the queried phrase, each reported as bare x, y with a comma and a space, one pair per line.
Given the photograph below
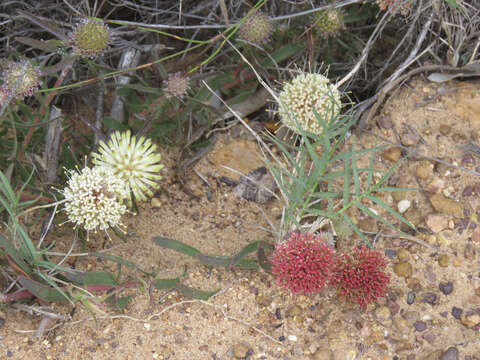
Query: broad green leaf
163, 284
7, 246
118, 303
282, 53
42, 291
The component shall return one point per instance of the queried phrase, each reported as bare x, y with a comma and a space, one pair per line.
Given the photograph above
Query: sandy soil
250, 317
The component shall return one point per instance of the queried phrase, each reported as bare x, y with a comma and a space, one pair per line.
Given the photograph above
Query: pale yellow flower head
134, 160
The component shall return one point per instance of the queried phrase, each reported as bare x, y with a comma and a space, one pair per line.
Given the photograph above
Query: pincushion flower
176, 85
94, 198
329, 22
132, 159
303, 263
257, 28
360, 276
404, 6
301, 95
20, 79
90, 38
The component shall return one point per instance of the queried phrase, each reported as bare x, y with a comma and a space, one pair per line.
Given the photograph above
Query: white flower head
94, 198
134, 160
301, 95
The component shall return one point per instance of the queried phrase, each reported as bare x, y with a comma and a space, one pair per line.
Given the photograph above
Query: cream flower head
134, 160
94, 198
301, 95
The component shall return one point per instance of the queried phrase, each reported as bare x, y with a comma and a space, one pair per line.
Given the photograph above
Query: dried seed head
301, 95
176, 85
257, 28
403, 6
329, 22
132, 159
21, 79
90, 38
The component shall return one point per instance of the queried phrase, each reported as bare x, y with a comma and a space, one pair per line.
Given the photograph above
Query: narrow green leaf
194, 293
253, 246
357, 230
395, 189
356, 177
176, 245
118, 260
391, 211
92, 278
346, 183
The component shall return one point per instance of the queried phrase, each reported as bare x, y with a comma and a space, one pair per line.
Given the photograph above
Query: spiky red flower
303, 263
360, 277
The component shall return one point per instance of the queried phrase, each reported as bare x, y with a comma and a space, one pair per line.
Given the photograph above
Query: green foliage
328, 184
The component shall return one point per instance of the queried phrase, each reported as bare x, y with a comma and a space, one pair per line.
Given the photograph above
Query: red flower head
303, 263
360, 276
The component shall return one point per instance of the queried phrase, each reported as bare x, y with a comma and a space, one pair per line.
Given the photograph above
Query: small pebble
457, 312
446, 288
323, 354
420, 326
391, 253
411, 297
450, 354
469, 251
467, 191
403, 254
403, 206
403, 269
386, 122
240, 351
429, 298
278, 314
443, 260
292, 338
